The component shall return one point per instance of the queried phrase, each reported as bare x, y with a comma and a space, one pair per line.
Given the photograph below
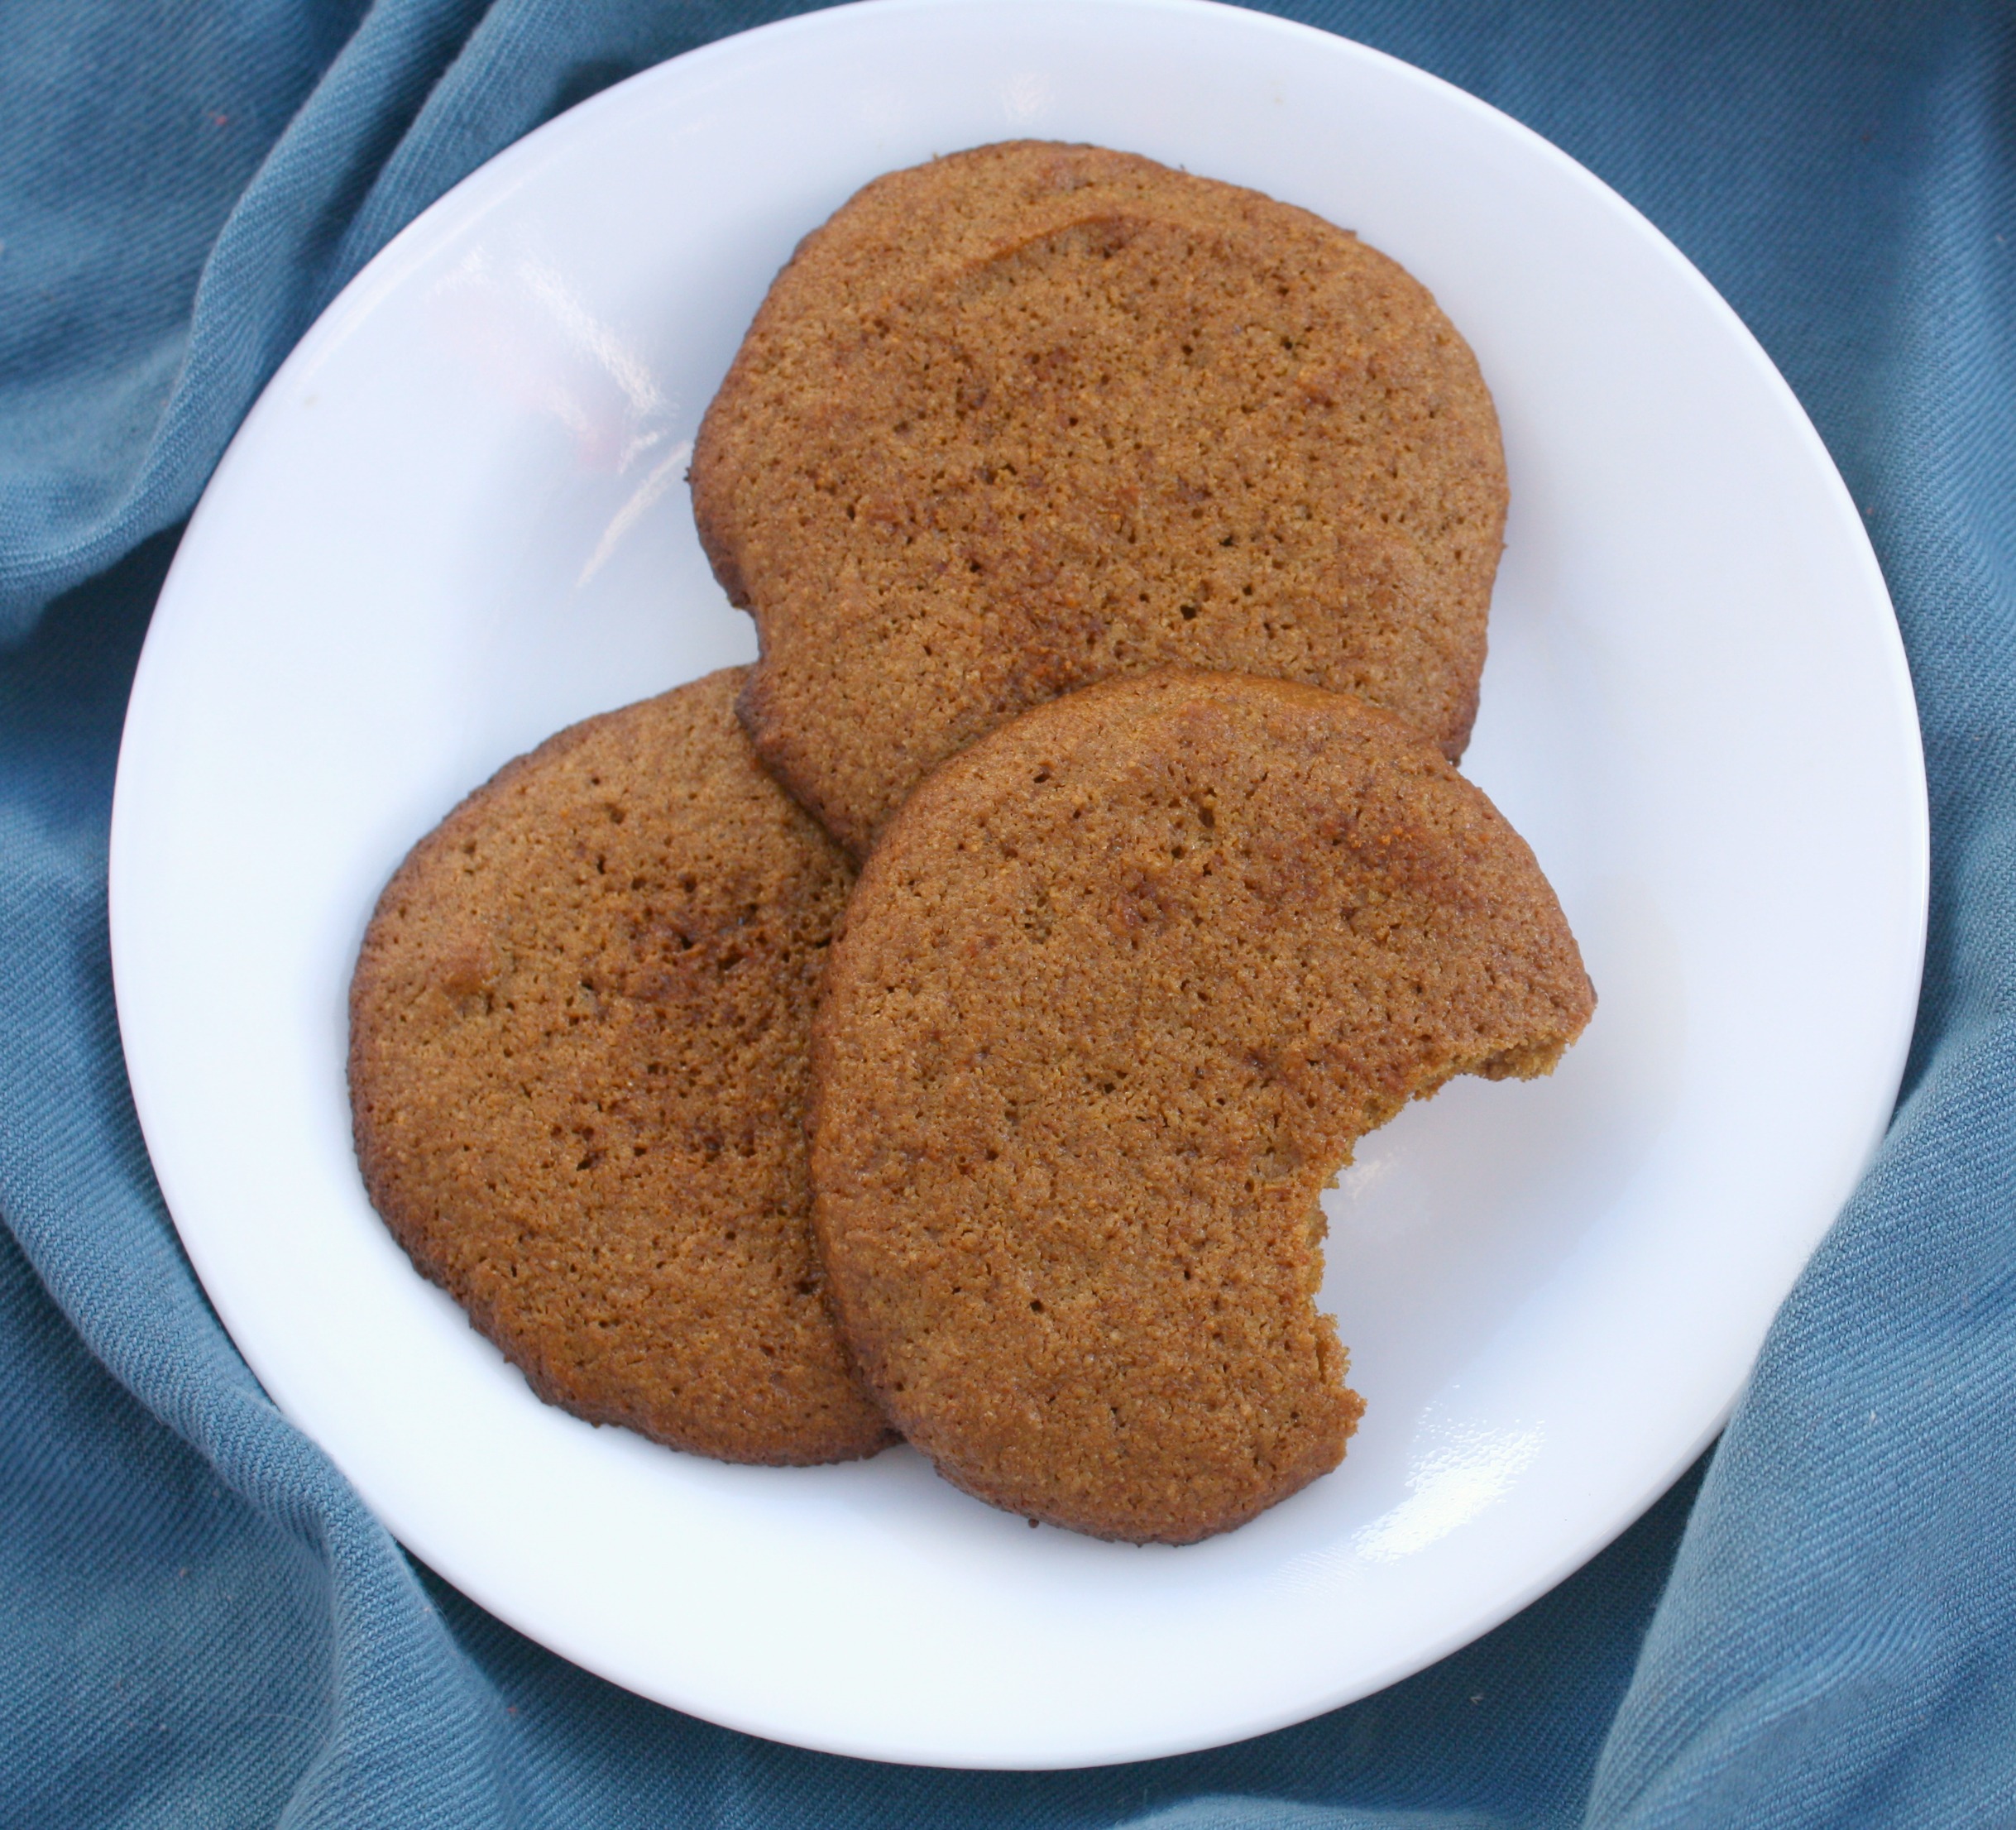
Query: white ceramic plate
457, 520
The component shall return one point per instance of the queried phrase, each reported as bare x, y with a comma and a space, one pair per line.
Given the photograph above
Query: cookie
1117, 991
578, 1065
1034, 415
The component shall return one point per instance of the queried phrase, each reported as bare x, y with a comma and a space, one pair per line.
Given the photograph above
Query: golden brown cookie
578, 1077
1033, 415
1117, 991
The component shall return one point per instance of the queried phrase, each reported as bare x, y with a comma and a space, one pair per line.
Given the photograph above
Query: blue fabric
198, 1622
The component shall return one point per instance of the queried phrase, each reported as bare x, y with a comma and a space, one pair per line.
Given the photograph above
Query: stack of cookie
1120, 543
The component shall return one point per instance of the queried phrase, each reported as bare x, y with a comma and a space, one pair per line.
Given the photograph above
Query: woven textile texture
201, 1623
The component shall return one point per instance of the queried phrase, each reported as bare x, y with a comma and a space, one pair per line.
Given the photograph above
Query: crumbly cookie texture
1118, 989
578, 1074
1034, 415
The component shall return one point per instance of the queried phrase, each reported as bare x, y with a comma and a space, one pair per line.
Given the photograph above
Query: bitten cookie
1118, 989
578, 1075
1034, 415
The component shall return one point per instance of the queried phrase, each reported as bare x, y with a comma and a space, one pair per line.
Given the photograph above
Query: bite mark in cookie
1119, 990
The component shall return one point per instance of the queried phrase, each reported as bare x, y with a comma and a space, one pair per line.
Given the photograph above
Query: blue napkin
199, 1624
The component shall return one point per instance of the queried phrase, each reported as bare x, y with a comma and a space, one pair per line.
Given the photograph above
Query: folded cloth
202, 1625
